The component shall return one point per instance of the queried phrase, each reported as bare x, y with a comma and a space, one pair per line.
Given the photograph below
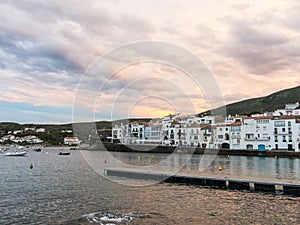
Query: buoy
275, 156
139, 157
220, 168
228, 156
105, 161
31, 166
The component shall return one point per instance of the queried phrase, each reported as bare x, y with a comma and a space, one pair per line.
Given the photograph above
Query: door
225, 145
249, 147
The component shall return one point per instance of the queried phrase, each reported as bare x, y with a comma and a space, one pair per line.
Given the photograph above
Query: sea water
66, 190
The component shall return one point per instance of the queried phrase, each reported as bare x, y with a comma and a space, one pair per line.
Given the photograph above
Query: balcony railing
262, 138
249, 139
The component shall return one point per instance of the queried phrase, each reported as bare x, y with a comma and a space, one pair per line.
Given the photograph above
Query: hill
269, 103
54, 134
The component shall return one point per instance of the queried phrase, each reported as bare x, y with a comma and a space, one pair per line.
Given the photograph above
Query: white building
71, 141
153, 133
221, 136
40, 130
285, 133
279, 130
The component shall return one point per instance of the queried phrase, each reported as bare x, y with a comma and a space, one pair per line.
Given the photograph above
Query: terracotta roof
263, 117
223, 125
198, 125
287, 117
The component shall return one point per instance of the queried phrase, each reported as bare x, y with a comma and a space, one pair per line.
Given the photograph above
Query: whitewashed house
194, 137
222, 136
40, 130
71, 141
235, 134
153, 133
285, 132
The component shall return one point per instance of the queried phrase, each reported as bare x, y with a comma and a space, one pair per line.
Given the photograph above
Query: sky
64, 61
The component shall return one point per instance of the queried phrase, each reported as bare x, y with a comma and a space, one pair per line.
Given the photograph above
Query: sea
47, 188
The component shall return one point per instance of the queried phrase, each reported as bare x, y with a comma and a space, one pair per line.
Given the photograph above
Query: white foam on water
105, 218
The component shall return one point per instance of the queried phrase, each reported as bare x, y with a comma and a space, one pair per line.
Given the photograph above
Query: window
275, 130
290, 139
283, 139
249, 136
262, 121
220, 136
289, 123
279, 123
276, 139
226, 136
235, 128
283, 129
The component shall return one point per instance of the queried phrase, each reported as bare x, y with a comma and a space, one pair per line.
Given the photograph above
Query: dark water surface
66, 190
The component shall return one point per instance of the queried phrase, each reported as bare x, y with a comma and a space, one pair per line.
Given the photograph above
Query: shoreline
112, 147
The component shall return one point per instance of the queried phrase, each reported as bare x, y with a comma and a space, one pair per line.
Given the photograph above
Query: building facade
278, 130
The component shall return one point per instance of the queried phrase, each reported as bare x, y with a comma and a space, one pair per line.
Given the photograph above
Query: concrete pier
264, 187
291, 189
238, 185
214, 182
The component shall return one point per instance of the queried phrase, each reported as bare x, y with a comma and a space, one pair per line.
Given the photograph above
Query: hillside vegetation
269, 103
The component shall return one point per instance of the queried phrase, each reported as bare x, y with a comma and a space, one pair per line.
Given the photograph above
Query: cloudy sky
52, 56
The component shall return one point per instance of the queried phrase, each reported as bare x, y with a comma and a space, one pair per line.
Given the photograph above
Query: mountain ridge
271, 102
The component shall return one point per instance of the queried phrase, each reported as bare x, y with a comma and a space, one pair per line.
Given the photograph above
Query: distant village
29, 135
278, 130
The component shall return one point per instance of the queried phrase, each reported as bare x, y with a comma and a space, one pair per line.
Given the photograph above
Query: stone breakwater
113, 147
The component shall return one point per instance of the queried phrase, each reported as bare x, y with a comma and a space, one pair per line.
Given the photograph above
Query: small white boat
23, 153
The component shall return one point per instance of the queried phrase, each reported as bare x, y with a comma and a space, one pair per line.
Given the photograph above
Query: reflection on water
242, 167
65, 190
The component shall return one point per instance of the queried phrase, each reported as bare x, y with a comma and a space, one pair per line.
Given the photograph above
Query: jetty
213, 182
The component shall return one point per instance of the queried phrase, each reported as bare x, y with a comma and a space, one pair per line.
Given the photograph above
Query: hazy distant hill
269, 103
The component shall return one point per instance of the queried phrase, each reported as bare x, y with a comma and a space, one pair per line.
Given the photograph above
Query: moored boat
64, 153
23, 153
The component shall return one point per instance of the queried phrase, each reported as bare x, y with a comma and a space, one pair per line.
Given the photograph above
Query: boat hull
64, 153
15, 153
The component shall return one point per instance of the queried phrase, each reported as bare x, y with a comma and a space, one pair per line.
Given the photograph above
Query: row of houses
28, 129
278, 130
31, 139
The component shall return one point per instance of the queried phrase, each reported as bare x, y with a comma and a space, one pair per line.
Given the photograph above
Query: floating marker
139, 157
275, 156
31, 166
220, 168
228, 156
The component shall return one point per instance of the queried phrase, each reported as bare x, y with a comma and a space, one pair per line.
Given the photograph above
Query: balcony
281, 133
262, 138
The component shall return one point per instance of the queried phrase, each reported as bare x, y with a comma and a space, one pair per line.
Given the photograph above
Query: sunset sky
48, 49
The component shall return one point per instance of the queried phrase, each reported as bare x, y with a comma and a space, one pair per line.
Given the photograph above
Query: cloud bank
252, 49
